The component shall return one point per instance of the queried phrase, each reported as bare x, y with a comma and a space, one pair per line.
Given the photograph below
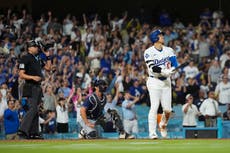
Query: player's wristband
48, 58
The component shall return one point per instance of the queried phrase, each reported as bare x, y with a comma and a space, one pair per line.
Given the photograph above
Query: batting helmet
154, 35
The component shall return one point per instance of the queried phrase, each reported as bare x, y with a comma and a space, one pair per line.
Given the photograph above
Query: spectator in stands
13, 82
111, 104
95, 55
5, 91
225, 72
224, 57
209, 109
191, 70
178, 24
222, 90
117, 23
3, 74
204, 87
203, 47
198, 102
129, 115
193, 45
170, 34
49, 98
11, 120
77, 96
62, 115
193, 87
65, 89
190, 112
201, 97
3, 107
127, 82
180, 90
21, 108
49, 122
136, 91
214, 73
226, 115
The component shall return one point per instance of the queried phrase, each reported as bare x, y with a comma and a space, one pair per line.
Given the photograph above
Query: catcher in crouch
92, 113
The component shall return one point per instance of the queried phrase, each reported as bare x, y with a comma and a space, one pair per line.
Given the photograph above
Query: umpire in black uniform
30, 69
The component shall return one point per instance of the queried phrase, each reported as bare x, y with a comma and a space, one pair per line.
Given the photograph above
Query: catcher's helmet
99, 82
154, 35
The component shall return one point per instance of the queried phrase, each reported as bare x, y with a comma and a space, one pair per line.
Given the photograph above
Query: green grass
117, 146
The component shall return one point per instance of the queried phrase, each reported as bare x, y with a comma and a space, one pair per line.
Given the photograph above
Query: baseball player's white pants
159, 92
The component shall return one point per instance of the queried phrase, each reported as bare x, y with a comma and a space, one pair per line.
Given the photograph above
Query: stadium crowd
85, 48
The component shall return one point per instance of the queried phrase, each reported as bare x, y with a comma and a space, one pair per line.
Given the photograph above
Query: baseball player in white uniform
161, 63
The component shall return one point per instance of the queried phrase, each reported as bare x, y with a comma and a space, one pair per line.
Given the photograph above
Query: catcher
92, 113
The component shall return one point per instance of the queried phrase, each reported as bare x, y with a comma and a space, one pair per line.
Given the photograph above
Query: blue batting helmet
154, 35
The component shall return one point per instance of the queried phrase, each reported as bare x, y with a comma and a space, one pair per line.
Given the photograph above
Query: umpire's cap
154, 35
32, 43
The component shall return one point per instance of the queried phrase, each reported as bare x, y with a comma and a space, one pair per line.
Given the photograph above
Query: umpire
30, 69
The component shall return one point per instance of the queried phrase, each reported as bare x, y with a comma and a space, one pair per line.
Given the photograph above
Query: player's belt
160, 78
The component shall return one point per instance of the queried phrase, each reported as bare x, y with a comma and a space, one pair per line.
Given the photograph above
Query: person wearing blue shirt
136, 91
11, 121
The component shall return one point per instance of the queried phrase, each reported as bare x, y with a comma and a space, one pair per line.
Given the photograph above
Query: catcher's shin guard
116, 120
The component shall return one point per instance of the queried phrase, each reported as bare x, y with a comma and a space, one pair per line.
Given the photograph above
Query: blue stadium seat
72, 125
226, 129
2, 136
223, 108
178, 111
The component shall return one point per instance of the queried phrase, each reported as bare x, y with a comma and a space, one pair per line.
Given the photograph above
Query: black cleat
123, 135
22, 134
36, 136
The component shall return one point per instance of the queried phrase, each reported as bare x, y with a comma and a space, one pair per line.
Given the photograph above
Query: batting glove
167, 72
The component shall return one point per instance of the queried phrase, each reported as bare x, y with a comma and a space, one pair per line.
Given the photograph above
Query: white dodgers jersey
160, 58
